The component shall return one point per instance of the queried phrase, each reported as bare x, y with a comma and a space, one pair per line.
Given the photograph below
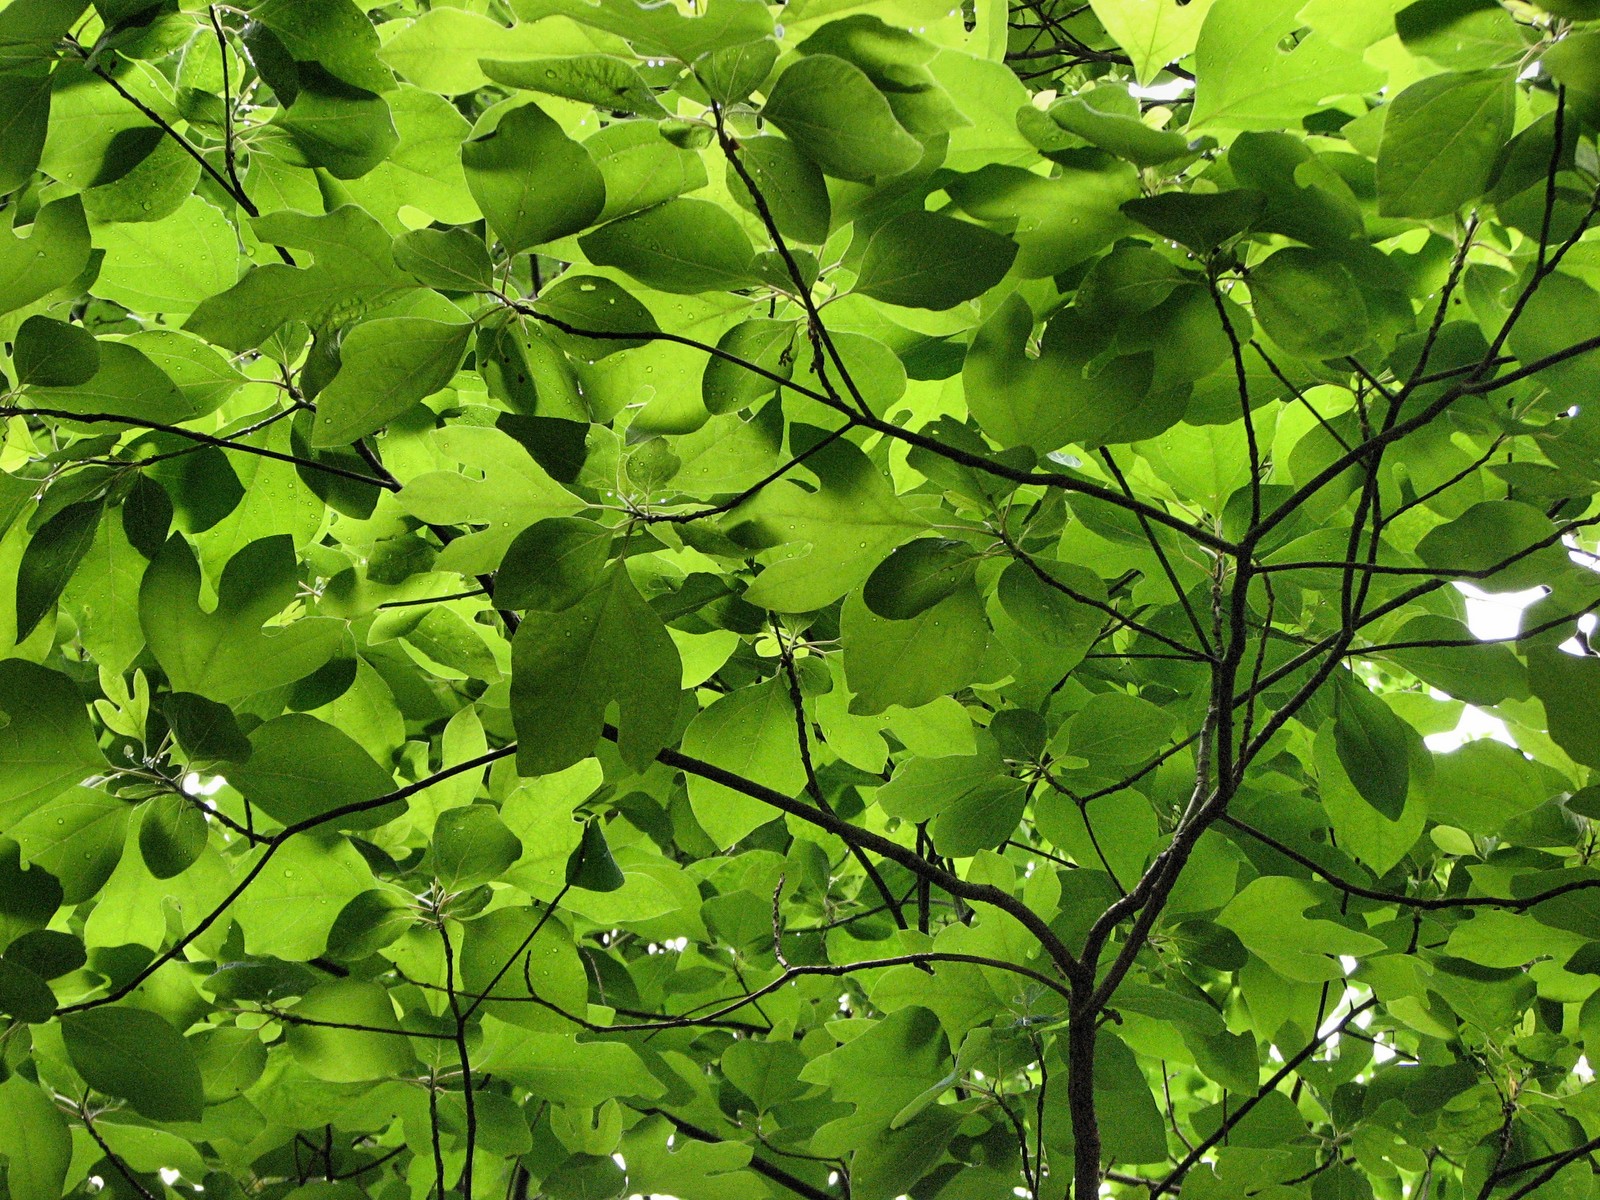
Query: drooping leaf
1372, 745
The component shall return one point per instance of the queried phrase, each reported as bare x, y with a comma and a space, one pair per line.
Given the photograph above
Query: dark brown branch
277, 843
759, 1165
205, 439
1238, 1114
980, 893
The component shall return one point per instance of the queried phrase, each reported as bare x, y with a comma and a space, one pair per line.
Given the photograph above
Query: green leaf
1059, 221
834, 536
911, 662
53, 254
1247, 79
531, 180
170, 265
641, 167
792, 185
1488, 534
524, 366
1116, 729
24, 995
300, 768
1309, 303
557, 1068
591, 866
1441, 141
832, 112
387, 365
345, 130
55, 551
225, 654
1571, 62
1153, 32
38, 1145
1569, 688
928, 260
135, 1056
1464, 36
354, 271
371, 921
447, 259
598, 305
508, 492
731, 73
289, 910
334, 33
751, 733
1372, 743
597, 79
1047, 401
46, 744
568, 667
1200, 220
678, 246
127, 383
1483, 786
917, 576
1268, 915
376, 1049
471, 845
1119, 134
172, 835
727, 385
553, 564
205, 729
1479, 673
51, 353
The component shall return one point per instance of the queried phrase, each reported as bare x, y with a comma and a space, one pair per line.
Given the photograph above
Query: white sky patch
1496, 614
1174, 89
1490, 615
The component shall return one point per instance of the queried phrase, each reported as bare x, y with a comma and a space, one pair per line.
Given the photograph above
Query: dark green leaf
1372, 744
591, 866
55, 551
172, 835
917, 576
928, 260
51, 353
135, 1056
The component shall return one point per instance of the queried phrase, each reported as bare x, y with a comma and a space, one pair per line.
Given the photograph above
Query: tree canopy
849, 599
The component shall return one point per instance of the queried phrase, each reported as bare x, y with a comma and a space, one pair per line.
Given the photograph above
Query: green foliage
844, 600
